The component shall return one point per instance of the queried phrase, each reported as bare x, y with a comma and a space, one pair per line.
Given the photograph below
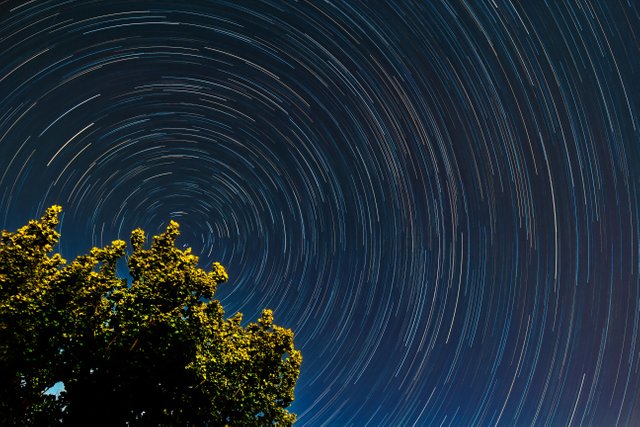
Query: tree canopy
156, 349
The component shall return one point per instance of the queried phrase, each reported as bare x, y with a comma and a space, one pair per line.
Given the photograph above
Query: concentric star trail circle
439, 198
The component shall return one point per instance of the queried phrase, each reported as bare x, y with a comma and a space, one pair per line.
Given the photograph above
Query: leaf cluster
157, 350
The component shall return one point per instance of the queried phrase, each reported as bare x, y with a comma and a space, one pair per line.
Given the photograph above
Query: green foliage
157, 351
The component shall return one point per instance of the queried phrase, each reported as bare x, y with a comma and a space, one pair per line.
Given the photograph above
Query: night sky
441, 198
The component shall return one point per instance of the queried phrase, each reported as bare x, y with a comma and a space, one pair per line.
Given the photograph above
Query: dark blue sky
440, 198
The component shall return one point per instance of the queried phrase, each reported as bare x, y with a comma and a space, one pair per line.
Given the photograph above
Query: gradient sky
439, 197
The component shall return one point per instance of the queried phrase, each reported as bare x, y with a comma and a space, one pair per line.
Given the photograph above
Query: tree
155, 350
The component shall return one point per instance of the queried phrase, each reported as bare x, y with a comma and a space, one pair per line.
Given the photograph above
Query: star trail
439, 197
